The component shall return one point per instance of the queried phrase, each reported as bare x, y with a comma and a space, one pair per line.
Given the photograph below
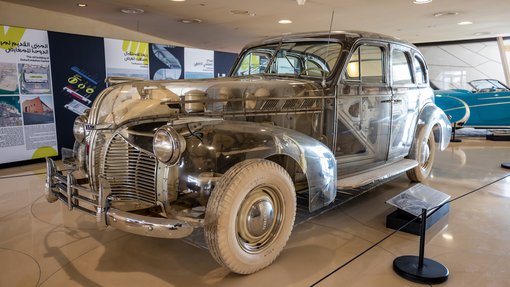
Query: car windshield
313, 59
485, 86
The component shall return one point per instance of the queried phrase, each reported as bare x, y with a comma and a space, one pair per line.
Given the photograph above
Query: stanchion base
505, 165
432, 272
455, 140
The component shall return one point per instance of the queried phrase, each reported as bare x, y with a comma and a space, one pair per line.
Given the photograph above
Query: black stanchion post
418, 268
453, 139
423, 229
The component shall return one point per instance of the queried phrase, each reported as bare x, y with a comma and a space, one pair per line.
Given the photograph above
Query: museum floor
43, 244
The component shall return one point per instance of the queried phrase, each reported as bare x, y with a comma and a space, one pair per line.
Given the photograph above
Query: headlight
168, 145
79, 128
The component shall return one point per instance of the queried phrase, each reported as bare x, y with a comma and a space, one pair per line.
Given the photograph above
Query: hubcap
259, 219
425, 153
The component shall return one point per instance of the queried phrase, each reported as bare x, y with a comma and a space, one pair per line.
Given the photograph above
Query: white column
504, 60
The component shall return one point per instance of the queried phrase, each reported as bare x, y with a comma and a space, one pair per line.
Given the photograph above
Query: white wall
452, 66
35, 18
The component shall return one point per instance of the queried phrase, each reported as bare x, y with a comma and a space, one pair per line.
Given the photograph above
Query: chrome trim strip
147, 226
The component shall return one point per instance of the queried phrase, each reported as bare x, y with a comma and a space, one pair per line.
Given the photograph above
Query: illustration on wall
198, 63
81, 86
8, 79
77, 77
168, 65
126, 58
37, 88
37, 110
34, 79
27, 121
10, 113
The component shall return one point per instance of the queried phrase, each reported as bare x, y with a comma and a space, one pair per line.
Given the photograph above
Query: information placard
27, 117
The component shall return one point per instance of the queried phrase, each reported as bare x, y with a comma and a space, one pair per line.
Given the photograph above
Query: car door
363, 109
404, 102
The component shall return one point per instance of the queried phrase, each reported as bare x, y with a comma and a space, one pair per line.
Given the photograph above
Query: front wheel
424, 153
250, 215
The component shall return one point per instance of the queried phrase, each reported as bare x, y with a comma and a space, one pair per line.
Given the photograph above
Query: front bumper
74, 190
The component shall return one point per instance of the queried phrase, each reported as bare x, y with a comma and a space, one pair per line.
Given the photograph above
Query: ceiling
223, 30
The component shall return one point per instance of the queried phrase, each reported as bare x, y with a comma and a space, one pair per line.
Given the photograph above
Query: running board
375, 175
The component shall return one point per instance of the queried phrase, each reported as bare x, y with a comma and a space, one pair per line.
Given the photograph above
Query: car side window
420, 71
401, 71
366, 65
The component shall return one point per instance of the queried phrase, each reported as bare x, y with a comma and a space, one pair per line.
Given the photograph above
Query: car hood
151, 99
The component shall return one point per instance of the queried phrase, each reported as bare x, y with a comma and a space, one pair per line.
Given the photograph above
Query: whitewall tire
250, 215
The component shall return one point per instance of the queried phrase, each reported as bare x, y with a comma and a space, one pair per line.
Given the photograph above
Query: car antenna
327, 48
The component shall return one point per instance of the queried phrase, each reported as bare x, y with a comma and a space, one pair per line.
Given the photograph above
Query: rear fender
432, 118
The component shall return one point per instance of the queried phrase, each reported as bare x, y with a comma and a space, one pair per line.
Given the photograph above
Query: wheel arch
433, 119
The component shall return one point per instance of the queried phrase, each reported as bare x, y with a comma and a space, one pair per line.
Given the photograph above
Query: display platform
499, 135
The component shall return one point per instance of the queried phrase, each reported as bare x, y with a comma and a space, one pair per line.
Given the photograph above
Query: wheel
250, 215
424, 154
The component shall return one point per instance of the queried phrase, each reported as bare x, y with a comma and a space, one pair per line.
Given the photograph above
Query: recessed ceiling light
190, 21
285, 21
445, 13
242, 12
465, 23
482, 33
421, 1
178, 0
132, 11
81, 5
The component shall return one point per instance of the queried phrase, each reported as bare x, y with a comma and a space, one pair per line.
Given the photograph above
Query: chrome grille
308, 103
270, 105
130, 172
290, 104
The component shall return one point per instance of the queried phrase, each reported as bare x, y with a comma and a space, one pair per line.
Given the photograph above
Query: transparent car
300, 118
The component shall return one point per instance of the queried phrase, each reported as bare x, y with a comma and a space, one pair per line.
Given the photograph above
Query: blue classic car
485, 106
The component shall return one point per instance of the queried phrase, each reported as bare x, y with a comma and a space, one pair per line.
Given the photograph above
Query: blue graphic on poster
165, 62
78, 69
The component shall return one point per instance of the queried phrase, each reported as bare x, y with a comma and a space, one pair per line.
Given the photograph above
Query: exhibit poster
198, 63
223, 62
166, 62
27, 117
126, 58
78, 72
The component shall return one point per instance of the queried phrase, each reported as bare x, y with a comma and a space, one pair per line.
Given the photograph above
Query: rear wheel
424, 153
250, 215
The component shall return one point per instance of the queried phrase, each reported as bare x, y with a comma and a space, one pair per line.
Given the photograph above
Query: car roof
343, 36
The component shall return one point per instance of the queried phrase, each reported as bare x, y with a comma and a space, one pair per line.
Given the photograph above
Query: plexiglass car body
306, 114
486, 105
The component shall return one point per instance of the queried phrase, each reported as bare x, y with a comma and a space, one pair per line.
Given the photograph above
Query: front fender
218, 145
430, 117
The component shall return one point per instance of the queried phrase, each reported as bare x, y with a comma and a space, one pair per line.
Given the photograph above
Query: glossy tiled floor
43, 244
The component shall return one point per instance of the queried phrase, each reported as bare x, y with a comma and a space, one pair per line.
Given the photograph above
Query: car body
304, 115
486, 105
